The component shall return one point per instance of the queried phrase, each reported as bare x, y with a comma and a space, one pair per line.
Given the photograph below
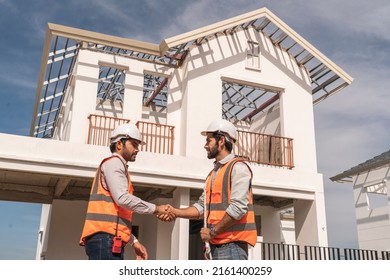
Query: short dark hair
228, 142
113, 145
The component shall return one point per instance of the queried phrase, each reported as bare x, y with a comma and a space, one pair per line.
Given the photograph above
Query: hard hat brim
116, 139
204, 133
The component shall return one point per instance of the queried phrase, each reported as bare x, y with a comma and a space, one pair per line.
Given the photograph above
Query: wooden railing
265, 149
253, 147
159, 138
100, 128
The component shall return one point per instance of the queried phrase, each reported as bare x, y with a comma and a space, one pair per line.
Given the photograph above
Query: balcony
264, 149
253, 147
159, 138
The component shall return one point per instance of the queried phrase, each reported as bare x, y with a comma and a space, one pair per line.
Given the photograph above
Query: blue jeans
230, 251
99, 247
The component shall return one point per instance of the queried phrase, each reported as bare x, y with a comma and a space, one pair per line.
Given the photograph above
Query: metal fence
280, 251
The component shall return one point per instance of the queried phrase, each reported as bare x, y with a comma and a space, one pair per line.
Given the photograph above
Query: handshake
165, 213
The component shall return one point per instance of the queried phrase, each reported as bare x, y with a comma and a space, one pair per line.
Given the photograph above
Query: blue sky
351, 126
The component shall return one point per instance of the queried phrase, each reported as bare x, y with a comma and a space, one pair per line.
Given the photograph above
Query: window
242, 102
111, 84
253, 55
155, 90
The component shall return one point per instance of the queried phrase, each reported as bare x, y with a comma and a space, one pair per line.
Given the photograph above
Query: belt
243, 245
101, 234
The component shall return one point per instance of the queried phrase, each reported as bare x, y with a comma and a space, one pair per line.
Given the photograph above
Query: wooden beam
262, 107
156, 92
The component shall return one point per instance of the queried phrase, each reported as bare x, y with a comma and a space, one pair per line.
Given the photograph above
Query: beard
213, 152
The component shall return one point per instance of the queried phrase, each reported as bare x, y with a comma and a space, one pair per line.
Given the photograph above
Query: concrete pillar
270, 224
180, 232
43, 236
306, 226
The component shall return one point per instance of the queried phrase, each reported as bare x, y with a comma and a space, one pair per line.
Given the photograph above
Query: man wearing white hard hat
226, 204
107, 228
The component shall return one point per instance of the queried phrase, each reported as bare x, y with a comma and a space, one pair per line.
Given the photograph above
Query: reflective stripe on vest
103, 215
245, 228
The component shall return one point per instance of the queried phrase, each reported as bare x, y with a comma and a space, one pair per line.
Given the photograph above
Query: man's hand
140, 251
165, 213
206, 234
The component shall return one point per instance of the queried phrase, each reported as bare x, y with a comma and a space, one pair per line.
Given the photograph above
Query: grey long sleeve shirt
114, 179
241, 177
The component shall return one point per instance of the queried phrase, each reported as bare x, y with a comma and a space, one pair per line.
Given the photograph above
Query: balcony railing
265, 149
100, 128
159, 138
279, 251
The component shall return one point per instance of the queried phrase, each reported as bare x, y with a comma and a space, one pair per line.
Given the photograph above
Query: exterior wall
176, 105
288, 230
373, 224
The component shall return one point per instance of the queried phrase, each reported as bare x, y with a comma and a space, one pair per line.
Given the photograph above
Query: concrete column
43, 232
306, 225
180, 236
270, 224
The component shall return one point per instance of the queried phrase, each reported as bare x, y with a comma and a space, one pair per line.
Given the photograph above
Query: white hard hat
126, 130
222, 126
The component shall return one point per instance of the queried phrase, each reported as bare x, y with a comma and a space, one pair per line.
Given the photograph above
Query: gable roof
62, 44
376, 162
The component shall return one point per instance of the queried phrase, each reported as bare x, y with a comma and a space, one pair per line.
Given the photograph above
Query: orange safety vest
103, 214
218, 200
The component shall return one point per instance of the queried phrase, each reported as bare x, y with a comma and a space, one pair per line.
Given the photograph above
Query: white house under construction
252, 70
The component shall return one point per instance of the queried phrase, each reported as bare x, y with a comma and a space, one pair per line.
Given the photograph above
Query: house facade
371, 181
252, 70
